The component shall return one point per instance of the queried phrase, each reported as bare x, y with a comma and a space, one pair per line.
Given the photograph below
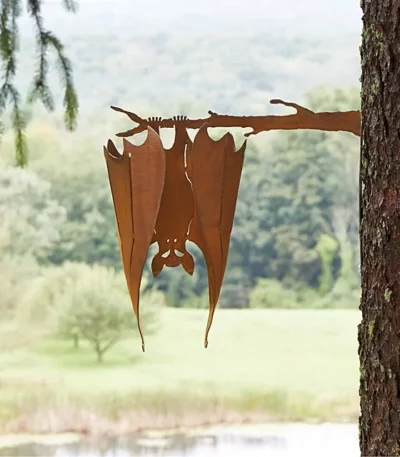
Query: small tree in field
97, 309
90, 303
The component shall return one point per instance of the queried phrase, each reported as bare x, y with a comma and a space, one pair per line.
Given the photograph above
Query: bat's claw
154, 123
179, 118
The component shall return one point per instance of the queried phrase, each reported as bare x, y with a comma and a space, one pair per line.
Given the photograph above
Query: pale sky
317, 17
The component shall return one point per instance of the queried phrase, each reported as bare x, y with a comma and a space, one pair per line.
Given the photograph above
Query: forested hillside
295, 239
123, 54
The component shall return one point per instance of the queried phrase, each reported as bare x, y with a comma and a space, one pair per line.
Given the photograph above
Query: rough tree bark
379, 331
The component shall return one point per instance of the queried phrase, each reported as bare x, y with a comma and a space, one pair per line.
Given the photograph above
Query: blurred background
283, 346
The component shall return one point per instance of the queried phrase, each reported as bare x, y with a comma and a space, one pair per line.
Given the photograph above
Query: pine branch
9, 37
19, 125
70, 97
45, 41
9, 94
40, 89
9, 44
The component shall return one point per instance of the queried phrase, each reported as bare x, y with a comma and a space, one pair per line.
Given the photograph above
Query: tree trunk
379, 331
99, 351
76, 341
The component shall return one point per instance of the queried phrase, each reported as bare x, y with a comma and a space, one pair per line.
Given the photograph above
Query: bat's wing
137, 181
215, 169
119, 172
233, 170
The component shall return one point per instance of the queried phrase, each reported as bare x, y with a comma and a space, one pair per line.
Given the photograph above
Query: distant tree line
295, 238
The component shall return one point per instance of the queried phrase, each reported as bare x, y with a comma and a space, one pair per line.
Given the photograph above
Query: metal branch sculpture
304, 119
189, 192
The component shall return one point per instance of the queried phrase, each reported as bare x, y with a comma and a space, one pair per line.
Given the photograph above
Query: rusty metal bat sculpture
189, 192
168, 197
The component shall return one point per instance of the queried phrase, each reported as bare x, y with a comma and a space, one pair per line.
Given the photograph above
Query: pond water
282, 440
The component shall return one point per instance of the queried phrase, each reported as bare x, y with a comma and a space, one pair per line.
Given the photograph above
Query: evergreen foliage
46, 42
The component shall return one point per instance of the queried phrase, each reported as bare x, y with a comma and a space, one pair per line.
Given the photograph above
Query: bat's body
176, 211
188, 192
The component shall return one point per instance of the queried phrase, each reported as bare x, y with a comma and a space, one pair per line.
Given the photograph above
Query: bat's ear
157, 265
188, 263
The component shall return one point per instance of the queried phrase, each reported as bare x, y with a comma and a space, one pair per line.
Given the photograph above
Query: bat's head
172, 253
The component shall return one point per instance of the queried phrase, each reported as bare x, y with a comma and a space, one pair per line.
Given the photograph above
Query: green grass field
290, 365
